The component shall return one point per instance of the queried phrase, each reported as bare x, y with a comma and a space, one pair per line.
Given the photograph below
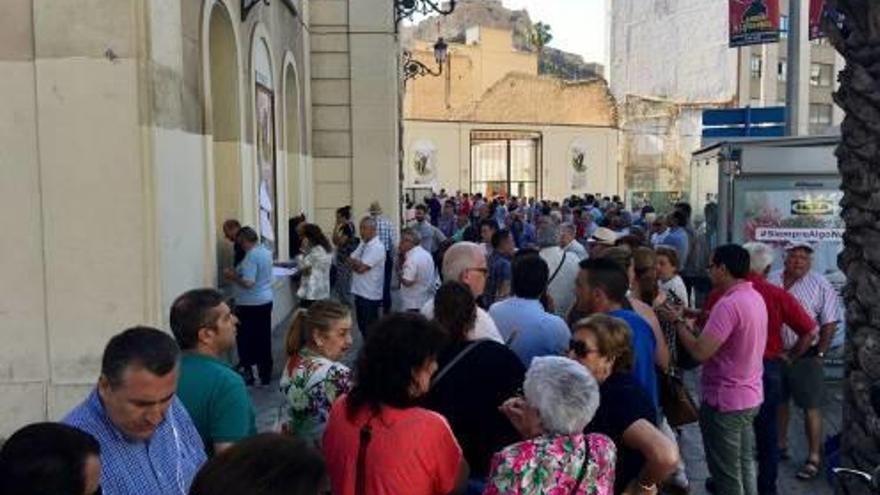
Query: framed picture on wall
265, 105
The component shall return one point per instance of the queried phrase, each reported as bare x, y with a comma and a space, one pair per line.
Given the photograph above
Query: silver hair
459, 257
564, 393
569, 228
412, 235
548, 234
368, 220
760, 255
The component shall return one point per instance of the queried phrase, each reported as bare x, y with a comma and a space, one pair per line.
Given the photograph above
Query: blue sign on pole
744, 122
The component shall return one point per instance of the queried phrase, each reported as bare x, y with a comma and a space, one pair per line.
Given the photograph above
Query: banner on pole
817, 12
753, 22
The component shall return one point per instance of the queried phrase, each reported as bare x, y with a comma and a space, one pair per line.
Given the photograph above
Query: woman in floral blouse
561, 398
314, 264
313, 377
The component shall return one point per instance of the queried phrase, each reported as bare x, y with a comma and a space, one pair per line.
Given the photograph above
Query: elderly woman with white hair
561, 398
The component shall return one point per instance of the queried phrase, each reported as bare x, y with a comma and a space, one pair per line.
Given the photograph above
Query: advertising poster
753, 22
266, 163
817, 11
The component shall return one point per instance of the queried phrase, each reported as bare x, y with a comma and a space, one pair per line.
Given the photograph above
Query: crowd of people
530, 347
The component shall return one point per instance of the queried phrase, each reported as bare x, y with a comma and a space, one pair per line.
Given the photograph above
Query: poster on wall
265, 106
753, 22
577, 161
780, 218
422, 170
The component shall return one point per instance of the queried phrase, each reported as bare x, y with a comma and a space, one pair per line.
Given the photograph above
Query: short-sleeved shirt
369, 284
419, 268
484, 328
644, 349
731, 378
256, 267
164, 465
217, 400
565, 267
624, 402
552, 465
816, 295
530, 331
469, 394
411, 451
782, 310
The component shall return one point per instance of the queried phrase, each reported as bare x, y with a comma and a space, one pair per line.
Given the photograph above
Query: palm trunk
858, 40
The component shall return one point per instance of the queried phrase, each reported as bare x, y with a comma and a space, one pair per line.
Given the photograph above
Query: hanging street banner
817, 12
753, 22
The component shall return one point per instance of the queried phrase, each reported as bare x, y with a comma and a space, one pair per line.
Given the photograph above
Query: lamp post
412, 68
406, 8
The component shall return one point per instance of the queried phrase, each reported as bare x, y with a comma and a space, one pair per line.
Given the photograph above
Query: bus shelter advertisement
785, 217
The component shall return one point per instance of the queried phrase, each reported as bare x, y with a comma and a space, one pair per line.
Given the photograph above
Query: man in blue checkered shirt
149, 444
386, 232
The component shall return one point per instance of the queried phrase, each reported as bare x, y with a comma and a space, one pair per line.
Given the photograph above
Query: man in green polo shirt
212, 392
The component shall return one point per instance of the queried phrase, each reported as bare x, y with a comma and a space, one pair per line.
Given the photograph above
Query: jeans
766, 428
729, 443
386, 282
254, 338
367, 312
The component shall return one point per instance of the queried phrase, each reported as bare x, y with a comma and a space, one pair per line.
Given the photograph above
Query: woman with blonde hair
313, 378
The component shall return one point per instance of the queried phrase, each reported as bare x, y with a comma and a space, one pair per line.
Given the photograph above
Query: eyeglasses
579, 348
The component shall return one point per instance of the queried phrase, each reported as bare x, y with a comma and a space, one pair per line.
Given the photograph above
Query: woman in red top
377, 441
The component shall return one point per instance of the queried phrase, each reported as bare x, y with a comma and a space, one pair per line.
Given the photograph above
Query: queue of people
530, 351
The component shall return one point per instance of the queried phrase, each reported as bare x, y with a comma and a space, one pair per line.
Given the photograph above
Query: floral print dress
550, 465
312, 383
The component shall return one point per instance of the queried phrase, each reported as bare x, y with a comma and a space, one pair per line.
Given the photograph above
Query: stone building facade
131, 129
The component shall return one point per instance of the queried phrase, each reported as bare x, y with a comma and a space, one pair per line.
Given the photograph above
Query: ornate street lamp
412, 68
406, 8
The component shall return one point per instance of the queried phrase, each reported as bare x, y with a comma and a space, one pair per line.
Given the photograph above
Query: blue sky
578, 26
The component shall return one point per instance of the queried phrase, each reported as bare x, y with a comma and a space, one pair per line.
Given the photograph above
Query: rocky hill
491, 13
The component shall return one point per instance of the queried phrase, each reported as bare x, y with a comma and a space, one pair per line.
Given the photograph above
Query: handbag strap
584, 467
446, 369
558, 267
360, 474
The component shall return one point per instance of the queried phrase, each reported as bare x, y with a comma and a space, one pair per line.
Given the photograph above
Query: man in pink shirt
731, 348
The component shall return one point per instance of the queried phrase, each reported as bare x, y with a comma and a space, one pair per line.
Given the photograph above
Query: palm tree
857, 37
540, 36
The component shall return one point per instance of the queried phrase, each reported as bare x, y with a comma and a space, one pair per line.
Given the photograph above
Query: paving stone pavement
269, 403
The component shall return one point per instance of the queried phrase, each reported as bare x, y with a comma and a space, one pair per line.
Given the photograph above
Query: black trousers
386, 282
254, 338
367, 312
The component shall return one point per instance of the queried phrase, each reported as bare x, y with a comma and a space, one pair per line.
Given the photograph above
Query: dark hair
645, 266
231, 224
248, 234
622, 255
678, 218
530, 274
455, 310
499, 236
396, 346
632, 241
684, 208
143, 347
265, 464
316, 236
607, 276
344, 212
192, 311
46, 458
488, 222
421, 207
670, 253
734, 258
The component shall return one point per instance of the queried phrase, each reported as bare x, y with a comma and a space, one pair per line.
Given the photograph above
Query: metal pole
797, 72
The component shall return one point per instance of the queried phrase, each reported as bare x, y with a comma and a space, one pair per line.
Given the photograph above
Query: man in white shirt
417, 272
563, 266
569, 243
465, 262
367, 264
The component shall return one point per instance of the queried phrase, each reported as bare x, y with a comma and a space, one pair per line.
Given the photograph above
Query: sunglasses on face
579, 348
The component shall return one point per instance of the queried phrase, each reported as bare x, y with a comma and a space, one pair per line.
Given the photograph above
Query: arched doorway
224, 119
296, 176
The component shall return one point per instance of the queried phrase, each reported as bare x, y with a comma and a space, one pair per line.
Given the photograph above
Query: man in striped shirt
804, 378
386, 232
